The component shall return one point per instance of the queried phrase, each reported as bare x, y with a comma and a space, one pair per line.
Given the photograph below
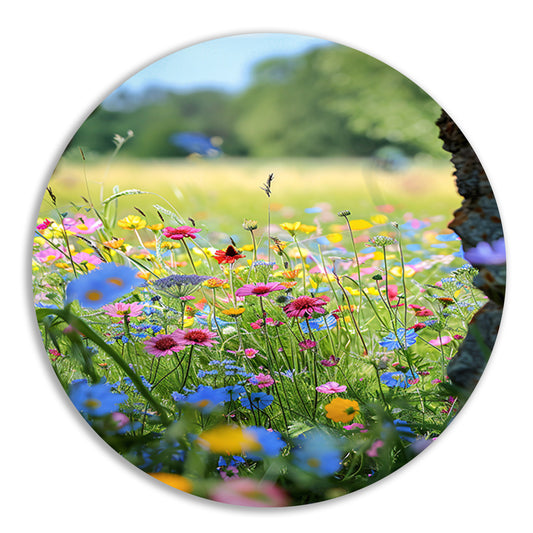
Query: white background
60, 59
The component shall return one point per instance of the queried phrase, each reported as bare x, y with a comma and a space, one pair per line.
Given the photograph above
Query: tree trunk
477, 220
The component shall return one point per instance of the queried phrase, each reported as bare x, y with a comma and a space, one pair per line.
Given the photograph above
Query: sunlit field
221, 193
256, 332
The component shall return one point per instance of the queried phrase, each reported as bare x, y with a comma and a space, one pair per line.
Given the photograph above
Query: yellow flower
170, 244
143, 275
215, 283
132, 222
342, 410
397, 271
232, 311
307, 228
188, 321
114, 243
290, 227
360, 224
352, 291
379, 219
334, 237
174, 480
156, 227
228, 440
247, 247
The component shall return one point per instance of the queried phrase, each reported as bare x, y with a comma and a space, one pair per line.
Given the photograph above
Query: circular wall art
268, 270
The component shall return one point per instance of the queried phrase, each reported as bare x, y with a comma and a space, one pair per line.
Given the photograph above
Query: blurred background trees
328, 102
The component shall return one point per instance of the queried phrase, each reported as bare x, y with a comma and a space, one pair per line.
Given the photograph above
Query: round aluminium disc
256, 276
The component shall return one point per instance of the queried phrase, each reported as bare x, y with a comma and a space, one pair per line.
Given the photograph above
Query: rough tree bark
478, 219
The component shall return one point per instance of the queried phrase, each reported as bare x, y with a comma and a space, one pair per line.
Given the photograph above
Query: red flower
176, 234
304, 306
228, 256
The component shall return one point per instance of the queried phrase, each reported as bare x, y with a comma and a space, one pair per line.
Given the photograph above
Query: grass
221, 193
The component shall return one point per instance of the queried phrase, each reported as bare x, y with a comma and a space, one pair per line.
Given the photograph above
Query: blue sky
223, 64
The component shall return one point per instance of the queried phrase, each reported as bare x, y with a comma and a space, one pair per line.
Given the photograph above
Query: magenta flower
304, 306
197, 337
250, 352
258, 324
163, 344
356, 425
259, 289
181, 232
331, 387
44, 224
306, 345
330, 361
262, 380
120, 310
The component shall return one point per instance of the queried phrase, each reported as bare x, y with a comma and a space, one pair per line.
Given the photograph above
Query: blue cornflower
397, 379
102, 285
206, 398
194, 142
400, 339
234, 392
203, 373
257, 400
270, 441
405, 432
318, 324
232, 461
317, 452
95, 400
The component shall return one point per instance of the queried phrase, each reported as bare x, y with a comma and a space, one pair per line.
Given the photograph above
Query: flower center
93, 295
313, 462
116, 281
261, 289
92, 403
196, 336
166, 343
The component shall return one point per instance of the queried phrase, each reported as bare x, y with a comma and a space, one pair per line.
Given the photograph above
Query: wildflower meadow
268, 354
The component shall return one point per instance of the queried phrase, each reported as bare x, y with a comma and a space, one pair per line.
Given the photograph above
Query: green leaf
128, 192
79, 325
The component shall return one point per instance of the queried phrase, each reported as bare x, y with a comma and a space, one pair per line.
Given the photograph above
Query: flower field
277, 343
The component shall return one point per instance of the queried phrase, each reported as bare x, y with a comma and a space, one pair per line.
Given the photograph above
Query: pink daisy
120, 310
262, 380
84, 257
304, 306
445, 339
82, 225
259, 289
179, 233
373, 450
250, 352
198, 337
163, 344
331, 387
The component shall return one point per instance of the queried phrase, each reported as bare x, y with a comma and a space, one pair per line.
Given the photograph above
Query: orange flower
174, 480
232, 311
342, 410
114, 243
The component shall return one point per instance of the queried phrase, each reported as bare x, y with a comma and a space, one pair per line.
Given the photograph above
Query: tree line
331, 101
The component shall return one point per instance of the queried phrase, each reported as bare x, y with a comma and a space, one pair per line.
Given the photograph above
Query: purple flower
487, 253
